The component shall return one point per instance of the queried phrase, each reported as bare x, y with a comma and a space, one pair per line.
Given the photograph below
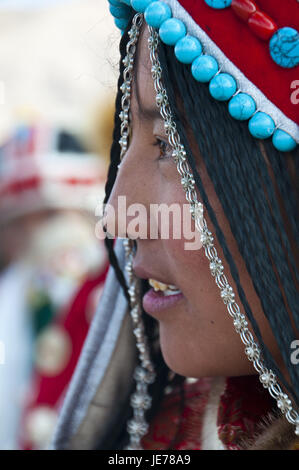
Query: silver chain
252, 351
144, 373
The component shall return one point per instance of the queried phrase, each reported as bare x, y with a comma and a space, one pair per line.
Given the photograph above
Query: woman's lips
154, 302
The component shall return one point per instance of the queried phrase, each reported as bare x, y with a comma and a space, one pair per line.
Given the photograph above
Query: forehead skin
143, 84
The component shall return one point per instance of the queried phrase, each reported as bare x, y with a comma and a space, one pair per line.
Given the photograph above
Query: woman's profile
205, 155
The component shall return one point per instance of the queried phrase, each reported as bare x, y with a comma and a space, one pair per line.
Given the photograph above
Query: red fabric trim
249, 53
164, 426
243, 404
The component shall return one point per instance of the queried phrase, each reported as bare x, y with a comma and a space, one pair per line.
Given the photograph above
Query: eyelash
164, 148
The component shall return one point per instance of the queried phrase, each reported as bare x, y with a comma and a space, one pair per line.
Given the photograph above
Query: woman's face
196, 332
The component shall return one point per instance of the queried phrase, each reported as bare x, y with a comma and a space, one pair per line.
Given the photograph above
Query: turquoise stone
171, 31
140, 5
127, 2
222, 87
187, 49
121, 23
204, 68
120, 11
282, 141
261, 125
116, 3
218, 4
156, 13
241, 106
284, 47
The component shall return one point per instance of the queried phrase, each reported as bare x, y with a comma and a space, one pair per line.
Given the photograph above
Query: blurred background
58, 73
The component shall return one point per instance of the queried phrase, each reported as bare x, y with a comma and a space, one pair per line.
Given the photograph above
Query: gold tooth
157, 285
161, 286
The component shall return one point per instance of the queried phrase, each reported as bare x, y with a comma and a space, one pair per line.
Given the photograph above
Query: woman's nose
127, 208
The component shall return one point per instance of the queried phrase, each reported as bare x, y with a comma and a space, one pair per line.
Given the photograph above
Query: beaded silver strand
252, 351
144, 373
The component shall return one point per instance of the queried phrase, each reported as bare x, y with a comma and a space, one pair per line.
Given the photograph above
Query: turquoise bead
284, 47
156, 13
187, 49
171, 31
140, 5
222, 86
121, 11
121, 23
115, 3
241, 107
127, 2
261, 125
204, 68
282, 141
218, 4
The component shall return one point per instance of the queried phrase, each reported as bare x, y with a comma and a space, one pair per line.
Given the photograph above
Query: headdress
247, 51
248, 54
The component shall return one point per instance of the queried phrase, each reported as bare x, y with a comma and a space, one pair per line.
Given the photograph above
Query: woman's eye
164, 147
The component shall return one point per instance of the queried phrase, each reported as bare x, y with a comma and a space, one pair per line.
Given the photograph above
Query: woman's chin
177, 355
187, 359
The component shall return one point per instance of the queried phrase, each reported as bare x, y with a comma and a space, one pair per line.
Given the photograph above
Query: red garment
241, 406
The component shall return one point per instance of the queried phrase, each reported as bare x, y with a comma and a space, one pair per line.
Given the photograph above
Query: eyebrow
151, 113
148, 114
144, 112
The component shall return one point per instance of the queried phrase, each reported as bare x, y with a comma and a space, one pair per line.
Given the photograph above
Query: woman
205, 114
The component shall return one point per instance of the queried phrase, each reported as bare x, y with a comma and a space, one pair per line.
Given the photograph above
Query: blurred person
52, 272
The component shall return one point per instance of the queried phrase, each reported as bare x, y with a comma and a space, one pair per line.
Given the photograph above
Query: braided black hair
238, 169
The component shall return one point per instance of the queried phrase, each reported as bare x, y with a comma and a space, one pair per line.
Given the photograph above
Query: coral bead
243, 9
171, 31
222, 87
156, 13
262, 25
187, 49
241, 107
282, 141
204, 68
261, 125
140, 5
